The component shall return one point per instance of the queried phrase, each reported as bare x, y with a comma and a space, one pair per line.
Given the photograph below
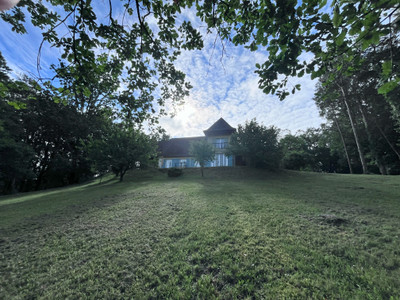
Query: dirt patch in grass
327, 219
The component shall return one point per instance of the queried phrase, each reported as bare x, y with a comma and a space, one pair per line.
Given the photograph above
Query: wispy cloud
225, 85
21, 50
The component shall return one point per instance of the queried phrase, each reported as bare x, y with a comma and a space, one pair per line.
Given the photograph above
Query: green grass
236, 233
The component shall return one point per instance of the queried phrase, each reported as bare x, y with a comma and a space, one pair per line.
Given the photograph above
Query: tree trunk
387, 140
13, 189
344, 145
121, 177
379, 162
360, 153
201, 168
382, 168
39, 180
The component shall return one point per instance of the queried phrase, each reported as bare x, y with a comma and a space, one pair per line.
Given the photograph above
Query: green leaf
86, 92
325, 18
340, 39
387, 68
365, 44
322, 3
337, 18
3, 89
375, 38
16, 104
388, 87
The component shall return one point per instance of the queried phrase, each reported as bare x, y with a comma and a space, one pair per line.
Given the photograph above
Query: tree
295, 152
97, 150
121, 149
202, 152
122, 62
354, 99
16, 155
257, 144
45, 135
41, 139
16, 159
310, 150
319, 144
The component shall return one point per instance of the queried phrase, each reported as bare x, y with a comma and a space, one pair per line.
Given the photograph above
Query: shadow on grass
63, 203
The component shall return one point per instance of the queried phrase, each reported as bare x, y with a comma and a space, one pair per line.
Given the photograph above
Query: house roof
221, 127
178, 147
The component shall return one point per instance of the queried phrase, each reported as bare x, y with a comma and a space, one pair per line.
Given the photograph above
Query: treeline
330, 148
45, 143
322, 150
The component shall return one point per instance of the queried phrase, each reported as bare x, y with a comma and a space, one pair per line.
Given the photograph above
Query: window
168, 163
221, 160
182, 163
220, 143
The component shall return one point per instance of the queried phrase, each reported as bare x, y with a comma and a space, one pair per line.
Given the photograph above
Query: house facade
174, 153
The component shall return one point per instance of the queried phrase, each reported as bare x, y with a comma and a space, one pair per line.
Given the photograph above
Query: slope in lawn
236, 233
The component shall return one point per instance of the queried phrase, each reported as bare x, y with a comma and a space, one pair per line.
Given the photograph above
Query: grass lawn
236, 233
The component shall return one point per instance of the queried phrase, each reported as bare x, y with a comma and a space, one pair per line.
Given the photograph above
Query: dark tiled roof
177, 147
221, 127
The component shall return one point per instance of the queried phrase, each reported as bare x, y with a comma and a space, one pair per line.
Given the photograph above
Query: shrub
175, 172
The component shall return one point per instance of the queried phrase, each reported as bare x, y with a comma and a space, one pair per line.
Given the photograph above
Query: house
174, 153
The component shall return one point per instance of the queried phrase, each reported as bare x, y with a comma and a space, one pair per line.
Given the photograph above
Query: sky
224, 83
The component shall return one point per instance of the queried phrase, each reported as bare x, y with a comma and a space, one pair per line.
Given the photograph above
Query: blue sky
224, 83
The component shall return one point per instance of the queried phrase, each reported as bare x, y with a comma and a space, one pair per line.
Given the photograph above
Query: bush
174, 172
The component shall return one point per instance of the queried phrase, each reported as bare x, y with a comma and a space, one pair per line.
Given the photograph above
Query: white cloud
226, 86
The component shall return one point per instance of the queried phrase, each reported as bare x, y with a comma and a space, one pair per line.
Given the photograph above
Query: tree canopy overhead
118, 60
142, 41
286, 29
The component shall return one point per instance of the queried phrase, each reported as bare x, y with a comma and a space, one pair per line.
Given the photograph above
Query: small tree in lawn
120, 149
202, 152
128, 146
